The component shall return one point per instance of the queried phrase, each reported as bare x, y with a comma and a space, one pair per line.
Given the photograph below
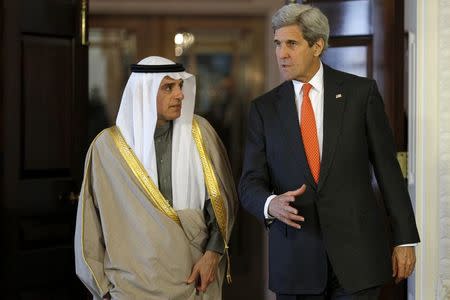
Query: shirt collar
316, 81
162, 130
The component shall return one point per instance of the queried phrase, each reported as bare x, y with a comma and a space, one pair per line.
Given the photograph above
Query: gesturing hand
279, 208
204, 271
403, 262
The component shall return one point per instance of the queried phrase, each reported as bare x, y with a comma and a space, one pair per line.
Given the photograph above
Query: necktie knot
306, 88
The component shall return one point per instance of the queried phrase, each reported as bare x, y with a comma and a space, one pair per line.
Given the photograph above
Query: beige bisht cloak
127, 246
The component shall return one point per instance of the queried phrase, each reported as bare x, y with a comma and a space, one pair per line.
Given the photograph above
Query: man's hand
204, 271
279, 208
403, 262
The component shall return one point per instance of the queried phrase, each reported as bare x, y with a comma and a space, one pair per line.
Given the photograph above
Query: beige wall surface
430, 165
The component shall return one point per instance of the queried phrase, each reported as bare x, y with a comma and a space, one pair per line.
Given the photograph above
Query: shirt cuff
215, 242
266, 207
407, 245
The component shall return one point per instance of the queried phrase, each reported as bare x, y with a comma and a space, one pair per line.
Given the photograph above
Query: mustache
178, 104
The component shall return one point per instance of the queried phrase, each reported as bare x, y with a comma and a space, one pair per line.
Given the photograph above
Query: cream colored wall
443, 284
430, 165
444, 150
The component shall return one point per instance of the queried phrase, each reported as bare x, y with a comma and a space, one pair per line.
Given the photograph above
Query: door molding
427, 182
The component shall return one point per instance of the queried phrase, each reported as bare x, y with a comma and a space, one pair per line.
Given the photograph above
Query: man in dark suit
311, 145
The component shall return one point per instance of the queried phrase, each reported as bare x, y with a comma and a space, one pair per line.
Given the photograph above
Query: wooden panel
37, 232
389, 54
342, 16
44, 69
36, 19
2, 38
47, 98
56, 263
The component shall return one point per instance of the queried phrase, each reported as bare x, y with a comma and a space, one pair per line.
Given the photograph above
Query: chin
176, 116
285, 74
286, 77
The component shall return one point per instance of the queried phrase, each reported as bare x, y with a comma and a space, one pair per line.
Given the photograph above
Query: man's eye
168, 88
292, 43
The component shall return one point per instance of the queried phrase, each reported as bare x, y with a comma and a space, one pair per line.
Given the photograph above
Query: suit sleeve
255, 185
387, 171
89, 241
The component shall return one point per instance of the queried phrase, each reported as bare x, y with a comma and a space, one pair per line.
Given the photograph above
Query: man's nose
179, 93
282, 51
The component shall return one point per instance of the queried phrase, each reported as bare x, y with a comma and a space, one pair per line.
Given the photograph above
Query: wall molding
432, 144
443, 288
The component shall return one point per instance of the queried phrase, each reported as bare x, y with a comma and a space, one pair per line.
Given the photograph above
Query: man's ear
318, 47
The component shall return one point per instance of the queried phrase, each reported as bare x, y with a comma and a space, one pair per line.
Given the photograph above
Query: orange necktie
309, 133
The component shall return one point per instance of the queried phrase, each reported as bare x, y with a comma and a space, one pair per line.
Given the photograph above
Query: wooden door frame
389, 55
13, 181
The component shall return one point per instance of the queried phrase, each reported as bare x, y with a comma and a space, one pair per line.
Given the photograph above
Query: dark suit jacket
342, 218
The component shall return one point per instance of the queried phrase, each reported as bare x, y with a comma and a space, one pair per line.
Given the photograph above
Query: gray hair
312, 22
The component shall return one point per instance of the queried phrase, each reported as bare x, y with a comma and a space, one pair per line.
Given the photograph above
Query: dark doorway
43, 138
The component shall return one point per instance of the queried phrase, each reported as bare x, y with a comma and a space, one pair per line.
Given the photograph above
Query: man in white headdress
158, 201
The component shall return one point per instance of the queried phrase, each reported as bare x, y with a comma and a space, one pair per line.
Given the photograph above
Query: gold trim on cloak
213, 190
147, 184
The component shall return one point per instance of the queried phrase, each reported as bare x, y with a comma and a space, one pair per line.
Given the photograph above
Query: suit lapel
333, 111
288, 115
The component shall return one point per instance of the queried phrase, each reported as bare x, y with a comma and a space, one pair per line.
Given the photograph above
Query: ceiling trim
177, 7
